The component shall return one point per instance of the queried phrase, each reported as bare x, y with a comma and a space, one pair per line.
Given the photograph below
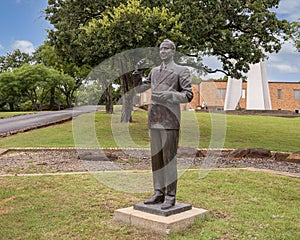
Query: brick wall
287, 101
207, 91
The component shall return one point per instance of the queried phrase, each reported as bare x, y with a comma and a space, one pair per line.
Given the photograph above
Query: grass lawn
242, 205
274, 133
12, 114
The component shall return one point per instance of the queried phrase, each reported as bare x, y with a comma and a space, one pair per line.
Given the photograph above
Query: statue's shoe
156, 198
168, 203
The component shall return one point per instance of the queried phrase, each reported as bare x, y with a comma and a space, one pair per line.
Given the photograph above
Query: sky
23, 26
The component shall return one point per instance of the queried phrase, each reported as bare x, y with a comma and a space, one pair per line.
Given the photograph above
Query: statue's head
167, 50
168, 44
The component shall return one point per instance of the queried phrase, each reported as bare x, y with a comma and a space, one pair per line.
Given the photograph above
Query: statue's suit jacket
171, 78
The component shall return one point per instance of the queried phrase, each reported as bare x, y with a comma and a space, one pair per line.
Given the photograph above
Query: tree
196, 79
297, 34
243, 30
9, 91
14, 59
125, 27
67, 18
36, 81
47, 55
238, 32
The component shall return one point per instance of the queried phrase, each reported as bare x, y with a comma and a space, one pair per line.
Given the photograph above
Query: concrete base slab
158, 223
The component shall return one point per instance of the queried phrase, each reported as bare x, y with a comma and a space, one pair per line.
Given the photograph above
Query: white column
258, 94
233, 93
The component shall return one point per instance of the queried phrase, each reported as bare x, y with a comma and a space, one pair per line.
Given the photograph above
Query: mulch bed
71, 160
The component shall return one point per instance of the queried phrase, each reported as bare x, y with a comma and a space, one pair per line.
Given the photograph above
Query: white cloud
289, 9
284, 68
284, 65
1, 47
286, 61
288, 52
24, 46
289, 48
213, 63
18, 1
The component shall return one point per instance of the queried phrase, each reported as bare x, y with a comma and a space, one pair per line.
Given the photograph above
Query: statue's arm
141, 84
185, 94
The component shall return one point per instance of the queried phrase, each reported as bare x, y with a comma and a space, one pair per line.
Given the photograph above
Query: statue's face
166, 53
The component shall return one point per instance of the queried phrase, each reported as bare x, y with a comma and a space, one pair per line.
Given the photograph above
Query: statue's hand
166, 96
141, 65
170, 97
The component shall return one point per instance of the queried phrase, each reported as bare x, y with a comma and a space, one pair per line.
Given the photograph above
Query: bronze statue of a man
170, 85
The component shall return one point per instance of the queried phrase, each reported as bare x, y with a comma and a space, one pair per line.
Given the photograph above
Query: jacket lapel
163, 75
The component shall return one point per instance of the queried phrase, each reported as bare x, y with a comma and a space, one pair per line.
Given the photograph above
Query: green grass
12, 114
242, 205
274, 133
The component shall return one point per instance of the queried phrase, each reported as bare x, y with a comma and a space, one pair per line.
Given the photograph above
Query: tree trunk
11, 107
127, 99
58, 100
109, 107
2, 104
52, 98
68, 96
40, 106
33, 98
35, 106
127, 108
127, 95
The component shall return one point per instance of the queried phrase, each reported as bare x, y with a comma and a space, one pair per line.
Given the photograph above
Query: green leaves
239, 30
129, 26
296, 26
30, 82
14, 59
243, 31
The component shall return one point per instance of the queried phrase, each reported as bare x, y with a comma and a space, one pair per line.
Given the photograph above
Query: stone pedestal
163, 221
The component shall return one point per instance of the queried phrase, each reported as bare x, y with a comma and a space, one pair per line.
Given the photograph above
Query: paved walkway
27, 122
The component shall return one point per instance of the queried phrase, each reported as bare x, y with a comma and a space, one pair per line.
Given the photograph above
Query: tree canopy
297, 35
14, 59
47, 55
30, 82
238, 32
129, 26
86, 33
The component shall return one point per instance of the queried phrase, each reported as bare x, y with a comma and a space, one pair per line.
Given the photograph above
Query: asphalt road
27, 122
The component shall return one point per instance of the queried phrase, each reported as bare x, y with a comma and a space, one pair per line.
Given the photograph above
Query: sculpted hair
168, 44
